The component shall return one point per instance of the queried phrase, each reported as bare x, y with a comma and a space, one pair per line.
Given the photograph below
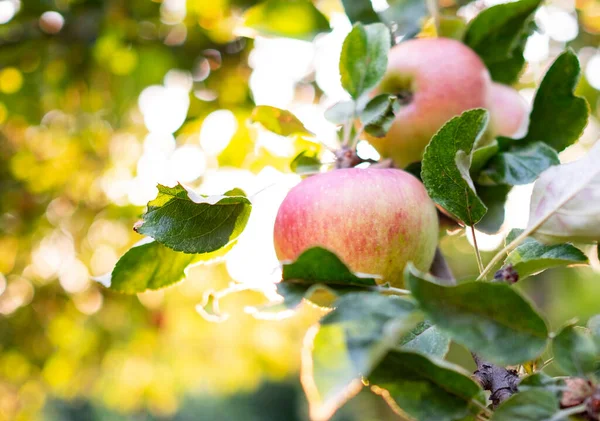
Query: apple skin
509, 111
442, 78
375, 220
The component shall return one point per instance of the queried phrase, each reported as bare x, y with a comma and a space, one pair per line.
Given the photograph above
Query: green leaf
318, 265
530, 405
498, 35
575, 351
451, 27
446, 164
426, 338
405, 16
360, 11
491, 319
190, 223
494, 198
558, 116
349, 343
481, 156
364, 58
594, 327
306, 163
298, 19
532, 257
148, 266
540, 380
341, 112
379, 114
519, 165
278, 121
425, 389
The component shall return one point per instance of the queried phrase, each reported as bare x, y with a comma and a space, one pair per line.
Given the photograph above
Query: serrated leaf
306, 163
278, 121
318, 265
531, 405
190, 223
446, 164
519, 165
349, 343
151, 266
379, 114
532, 257
565, 203
427, 339
494, 198
425, 389
360, 11
575, 351
364, 58
405, 17
298, 19
491, 319
558, 117
498, 36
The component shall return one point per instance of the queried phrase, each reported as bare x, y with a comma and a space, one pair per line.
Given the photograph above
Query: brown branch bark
500, 381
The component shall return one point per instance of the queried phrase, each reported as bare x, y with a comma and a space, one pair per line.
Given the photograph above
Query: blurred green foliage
70, 132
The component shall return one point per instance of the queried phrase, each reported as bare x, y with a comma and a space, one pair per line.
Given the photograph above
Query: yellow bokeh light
123, 61
3, 113
11, 80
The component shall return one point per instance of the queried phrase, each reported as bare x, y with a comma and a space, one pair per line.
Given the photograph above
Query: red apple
509, 112
375, 220
435, 80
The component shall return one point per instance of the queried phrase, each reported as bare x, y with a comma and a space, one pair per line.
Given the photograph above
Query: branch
501, 382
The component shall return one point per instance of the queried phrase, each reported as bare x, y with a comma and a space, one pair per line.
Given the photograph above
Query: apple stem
477, 254
347, 131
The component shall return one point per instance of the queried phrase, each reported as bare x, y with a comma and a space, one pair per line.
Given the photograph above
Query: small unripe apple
375, 220
509, 112
435, 79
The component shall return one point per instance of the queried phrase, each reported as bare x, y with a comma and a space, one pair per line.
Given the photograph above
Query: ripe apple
375, 220
509, 112
435, 79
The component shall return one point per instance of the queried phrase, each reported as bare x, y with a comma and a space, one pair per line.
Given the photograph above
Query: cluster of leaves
396, 344
182, 228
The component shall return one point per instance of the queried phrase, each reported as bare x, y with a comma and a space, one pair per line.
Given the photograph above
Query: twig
479, 261
500, 381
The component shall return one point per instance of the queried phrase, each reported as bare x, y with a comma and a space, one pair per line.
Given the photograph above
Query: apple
375, 220
509, 111
435, 79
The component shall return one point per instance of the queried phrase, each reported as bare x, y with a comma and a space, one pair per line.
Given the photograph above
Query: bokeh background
102, 100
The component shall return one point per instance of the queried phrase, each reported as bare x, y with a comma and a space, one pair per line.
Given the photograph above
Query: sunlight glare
217, 130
